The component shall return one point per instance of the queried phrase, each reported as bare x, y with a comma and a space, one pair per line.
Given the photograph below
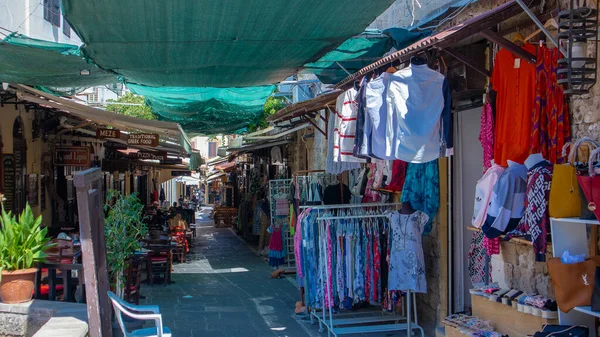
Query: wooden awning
305, 107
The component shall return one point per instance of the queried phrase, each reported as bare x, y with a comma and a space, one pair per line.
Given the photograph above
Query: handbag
573, 283
590, 184
550, 330
596, 293
565, 197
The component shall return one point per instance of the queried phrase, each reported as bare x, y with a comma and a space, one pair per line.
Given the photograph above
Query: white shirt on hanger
416, 100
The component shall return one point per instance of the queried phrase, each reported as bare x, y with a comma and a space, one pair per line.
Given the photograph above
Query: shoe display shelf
506, 319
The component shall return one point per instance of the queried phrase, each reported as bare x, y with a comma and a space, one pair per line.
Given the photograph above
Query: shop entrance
467, 168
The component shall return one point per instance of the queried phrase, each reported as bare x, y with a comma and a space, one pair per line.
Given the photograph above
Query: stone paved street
224, 290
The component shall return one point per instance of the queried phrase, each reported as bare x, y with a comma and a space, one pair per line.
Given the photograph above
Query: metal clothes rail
344, 206
361, 322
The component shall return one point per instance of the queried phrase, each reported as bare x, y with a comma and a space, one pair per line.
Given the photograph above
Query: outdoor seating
133, 276
139, 312
161, 258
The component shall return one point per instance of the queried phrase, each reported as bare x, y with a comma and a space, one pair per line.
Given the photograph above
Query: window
52, 12
66, 27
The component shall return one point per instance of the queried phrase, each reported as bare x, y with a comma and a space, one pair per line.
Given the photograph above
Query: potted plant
22, 245
123, 229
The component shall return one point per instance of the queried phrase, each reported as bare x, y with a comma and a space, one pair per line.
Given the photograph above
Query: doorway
467, 169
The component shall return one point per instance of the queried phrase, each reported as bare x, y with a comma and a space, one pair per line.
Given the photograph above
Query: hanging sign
149, 155
171, 161
8, 161
144, 139
72, 156
108, 133
181, 173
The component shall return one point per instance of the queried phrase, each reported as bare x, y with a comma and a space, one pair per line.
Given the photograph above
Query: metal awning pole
344, 69
541, 26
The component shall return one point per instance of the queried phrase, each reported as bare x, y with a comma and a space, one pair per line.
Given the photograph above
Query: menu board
43, 192
8, 161
32, 190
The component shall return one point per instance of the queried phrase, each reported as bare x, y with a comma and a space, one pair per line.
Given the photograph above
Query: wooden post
91, 223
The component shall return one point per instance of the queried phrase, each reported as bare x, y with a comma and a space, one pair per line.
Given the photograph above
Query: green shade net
52, 67
225, 43
360, 51
206, 110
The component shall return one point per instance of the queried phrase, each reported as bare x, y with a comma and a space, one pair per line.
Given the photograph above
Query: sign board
72, 156
143, 139
149, 155
108, 133
171, 161
8, 160
181, 173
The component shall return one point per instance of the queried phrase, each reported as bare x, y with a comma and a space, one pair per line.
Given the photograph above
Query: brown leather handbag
573, 283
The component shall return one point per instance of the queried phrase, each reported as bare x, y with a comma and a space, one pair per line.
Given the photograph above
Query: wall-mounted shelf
571, 234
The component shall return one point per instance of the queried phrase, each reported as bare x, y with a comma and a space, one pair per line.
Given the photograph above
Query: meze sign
72, 156
108, 133
145, 139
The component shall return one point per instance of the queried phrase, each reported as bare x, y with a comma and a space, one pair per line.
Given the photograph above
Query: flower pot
17, 286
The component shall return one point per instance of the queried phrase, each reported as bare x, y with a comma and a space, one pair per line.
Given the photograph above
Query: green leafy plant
131, 105
22, 241
123, 229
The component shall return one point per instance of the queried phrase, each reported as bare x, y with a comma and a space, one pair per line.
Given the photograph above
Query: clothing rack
352, 217
343, 206
333, 322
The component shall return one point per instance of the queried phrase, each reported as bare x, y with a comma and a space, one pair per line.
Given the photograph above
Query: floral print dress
407, 263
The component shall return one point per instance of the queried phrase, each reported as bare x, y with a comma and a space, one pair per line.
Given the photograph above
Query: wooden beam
95, 271
314, 123
463, 59
504, 43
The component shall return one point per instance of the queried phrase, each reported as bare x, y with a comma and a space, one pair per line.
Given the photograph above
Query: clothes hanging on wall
514, 81
419, 98
422, 189
381, 123
346, 109
486, 135
335, 195
551, 128
398, 176
362, 142
479, 263
277, 248
507, 201
483, 194
334, 166
535, 224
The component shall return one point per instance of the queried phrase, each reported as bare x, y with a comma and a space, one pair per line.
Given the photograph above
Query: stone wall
429, 304
585, 109
516, 267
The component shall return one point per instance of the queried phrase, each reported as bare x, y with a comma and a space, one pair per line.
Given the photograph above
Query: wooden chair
161, 259
139, 312
133, 276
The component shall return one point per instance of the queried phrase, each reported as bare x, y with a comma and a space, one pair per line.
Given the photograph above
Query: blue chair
139, 312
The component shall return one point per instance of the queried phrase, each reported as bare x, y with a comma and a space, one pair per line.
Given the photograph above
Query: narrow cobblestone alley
224, 290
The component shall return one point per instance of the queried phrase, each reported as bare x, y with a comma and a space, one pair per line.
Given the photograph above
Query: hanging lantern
576, 28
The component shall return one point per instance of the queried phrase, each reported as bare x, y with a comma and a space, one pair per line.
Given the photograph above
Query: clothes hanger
391, 69
550, 23
518, 39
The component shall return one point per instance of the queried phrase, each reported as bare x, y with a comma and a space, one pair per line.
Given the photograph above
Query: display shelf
571, 234
588, 310
506, 319
577, 220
